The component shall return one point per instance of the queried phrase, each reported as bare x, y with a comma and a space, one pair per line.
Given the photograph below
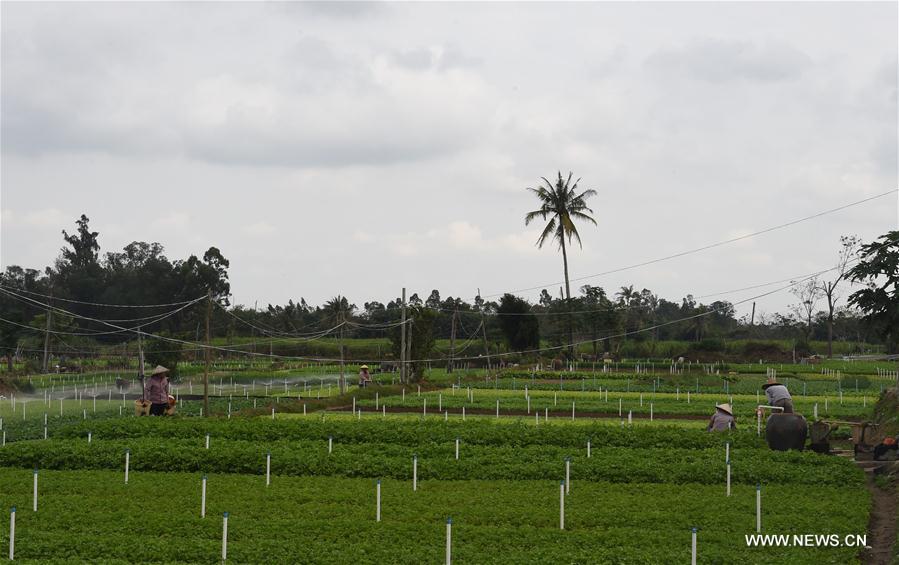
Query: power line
704, 247
99, 303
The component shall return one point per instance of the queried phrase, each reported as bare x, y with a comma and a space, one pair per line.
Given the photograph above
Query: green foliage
520, 327
878, 268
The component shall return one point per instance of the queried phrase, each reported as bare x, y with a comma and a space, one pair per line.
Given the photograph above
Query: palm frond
547, 231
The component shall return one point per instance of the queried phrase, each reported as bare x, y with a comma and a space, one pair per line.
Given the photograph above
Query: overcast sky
358, 148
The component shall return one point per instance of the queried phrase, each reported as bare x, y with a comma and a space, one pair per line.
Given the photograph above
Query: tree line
84, 286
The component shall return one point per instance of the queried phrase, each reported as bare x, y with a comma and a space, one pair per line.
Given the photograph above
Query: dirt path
881, 524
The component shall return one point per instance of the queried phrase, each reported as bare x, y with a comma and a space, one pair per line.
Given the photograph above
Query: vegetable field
298, 474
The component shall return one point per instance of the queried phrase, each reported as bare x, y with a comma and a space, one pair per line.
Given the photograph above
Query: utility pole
752, 319
340, 321
484, 331
206, 368
403, 341
452, 356
47, 335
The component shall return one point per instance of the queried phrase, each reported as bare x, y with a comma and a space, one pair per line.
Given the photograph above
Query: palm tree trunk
568, 300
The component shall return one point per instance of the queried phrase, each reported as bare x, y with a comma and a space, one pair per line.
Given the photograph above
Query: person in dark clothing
157, 391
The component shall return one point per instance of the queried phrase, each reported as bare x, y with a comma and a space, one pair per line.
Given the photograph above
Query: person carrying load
156, 391
723, 419
778, 395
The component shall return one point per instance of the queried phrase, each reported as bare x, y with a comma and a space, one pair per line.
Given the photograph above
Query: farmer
778, 395
157, 391
364, 377
723, 419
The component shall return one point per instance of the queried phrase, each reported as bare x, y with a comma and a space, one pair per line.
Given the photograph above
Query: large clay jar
786, 431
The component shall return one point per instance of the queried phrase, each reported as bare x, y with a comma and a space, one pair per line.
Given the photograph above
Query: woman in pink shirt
157, 391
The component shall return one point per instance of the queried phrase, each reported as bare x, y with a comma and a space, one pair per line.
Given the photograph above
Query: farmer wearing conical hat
157, 391
723, 419
778, 395
364, 377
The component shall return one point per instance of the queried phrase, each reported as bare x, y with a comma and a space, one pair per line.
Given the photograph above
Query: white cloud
260, 228
176, 220
47, 218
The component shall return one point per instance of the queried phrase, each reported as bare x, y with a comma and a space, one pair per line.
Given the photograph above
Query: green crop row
435, 461
488, 432
93, 516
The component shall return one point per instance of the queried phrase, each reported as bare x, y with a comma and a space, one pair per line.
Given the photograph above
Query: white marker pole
127, 463
728, 478
330, 444
225, 536
572, 410
457, 449
203, 498
378, 503
693, 549
758, 509
207, 441
268, 468
497, 409
12, 533
414, 473
567, 475
34, 501
588, 448
449, 541
816, 411
562, 505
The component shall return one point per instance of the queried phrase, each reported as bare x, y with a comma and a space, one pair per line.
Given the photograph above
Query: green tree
562, 205
878, 270
519, 326
419, 339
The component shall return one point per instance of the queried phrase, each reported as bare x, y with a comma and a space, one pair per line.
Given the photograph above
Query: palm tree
561, 203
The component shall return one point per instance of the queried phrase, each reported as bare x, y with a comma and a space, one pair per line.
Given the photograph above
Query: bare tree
849, 245
808, 293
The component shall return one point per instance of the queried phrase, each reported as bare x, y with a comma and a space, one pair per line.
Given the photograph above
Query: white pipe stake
378, 504
449, 541
728, 478
414, 473
758, 509
457, 449
127, 463
588, 448
562, 505
268, 469
693, 549
207, 441
567, 475
34, 497
225, 536
203, 498
12, 533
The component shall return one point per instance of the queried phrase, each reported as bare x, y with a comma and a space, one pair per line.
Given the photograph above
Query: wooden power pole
449, 367
403, 342
206, 367
47, 335
484, 331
